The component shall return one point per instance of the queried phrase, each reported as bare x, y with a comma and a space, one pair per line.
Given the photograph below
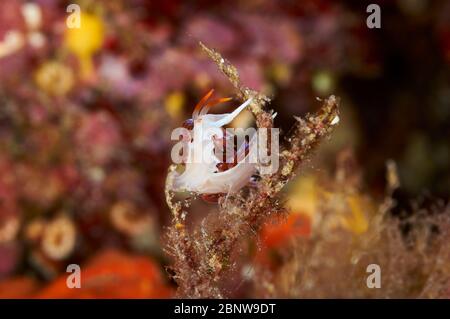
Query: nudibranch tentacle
201, 103
206, 108
213, 174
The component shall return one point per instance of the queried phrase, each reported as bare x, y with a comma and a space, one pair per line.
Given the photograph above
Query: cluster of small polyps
219, 160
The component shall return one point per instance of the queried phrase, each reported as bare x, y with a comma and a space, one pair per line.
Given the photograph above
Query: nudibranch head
214, 174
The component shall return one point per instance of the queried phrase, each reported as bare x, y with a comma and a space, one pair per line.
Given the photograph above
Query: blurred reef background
86, 116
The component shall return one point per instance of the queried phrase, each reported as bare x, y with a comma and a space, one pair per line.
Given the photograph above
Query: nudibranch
214, 175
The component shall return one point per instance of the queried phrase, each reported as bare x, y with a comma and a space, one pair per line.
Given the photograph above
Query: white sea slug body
205, 172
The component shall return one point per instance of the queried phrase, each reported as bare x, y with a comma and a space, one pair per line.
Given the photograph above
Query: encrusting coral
204, 256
